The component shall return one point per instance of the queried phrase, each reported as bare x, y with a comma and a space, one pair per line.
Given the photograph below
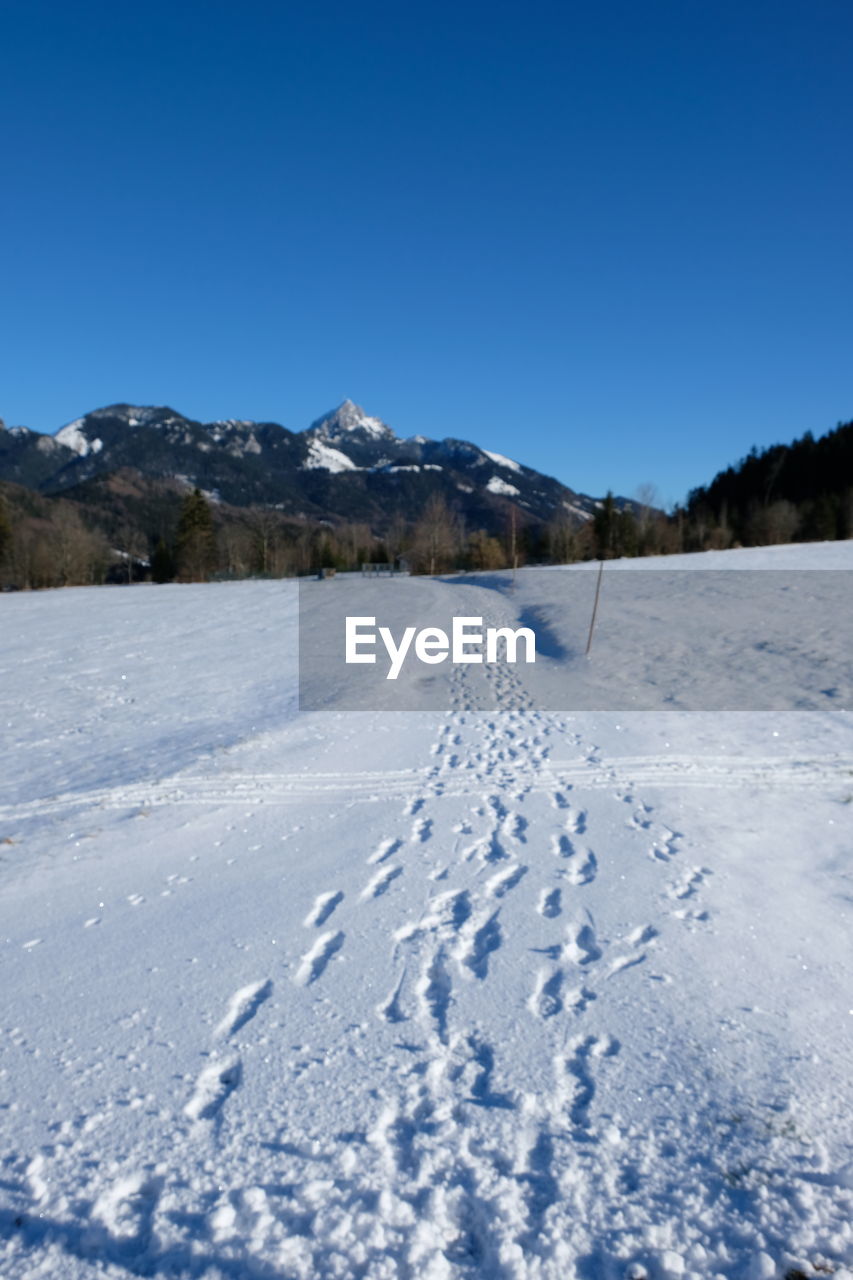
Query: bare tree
133, 545
357, 541
78, 552
237, 549
264, 525
567, 540
437, 536
398, 537
485, 552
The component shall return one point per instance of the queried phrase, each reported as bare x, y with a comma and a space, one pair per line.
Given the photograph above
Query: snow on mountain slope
322, 455
73, 438
496, 485
502, 461
484, 991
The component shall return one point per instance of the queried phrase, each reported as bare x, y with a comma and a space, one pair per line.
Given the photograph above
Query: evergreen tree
605, 524
195, 544
162, 564
5, 530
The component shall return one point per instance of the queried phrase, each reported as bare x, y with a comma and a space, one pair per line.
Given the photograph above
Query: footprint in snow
514, 826
314, 962
641, 935
384, 851
550, 903
576, 1084
381, 882
446, 913
242, 1007
126, 1210
582, 863
685, 914
218, 1079
324, 905
504, 881
479, 939
422, 830
561, 846
478, 1072
578, 999
576, 821
546, 1000
688, 885
665, 847
581, 867
581, 947
435, 993
620, 963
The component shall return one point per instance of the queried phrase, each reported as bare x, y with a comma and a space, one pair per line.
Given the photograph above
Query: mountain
346, 466
28, 458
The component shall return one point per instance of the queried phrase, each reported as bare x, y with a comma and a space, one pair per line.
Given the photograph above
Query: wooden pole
513, 550
594, 607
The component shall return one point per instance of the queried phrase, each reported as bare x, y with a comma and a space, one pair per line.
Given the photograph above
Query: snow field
490, 991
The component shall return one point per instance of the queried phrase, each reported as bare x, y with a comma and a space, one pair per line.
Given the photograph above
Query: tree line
60, 547
797, 492
55, 542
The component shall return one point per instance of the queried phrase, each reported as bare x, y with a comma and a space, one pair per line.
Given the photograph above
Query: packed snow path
489, 993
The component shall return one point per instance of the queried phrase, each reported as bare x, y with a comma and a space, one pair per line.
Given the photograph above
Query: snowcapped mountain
346, 465
349, 422
30, 459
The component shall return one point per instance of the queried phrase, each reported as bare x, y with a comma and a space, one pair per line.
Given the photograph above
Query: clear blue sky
610, 239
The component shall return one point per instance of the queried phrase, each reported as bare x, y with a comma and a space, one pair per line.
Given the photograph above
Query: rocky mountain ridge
347, 465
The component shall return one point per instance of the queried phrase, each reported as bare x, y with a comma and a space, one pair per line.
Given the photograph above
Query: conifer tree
5, 529
195, 544
162, 564
605, 524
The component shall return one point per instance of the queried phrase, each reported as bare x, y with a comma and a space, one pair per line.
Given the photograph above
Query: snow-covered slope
482, 991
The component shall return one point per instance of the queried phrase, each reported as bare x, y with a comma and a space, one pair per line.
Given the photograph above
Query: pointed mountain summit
348, 420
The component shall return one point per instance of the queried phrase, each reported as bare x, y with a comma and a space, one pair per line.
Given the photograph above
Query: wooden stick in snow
594, 607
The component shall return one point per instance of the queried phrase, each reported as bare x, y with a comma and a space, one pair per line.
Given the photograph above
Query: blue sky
610, 239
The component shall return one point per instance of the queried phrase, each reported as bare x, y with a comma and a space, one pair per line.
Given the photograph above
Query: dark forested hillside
788, 492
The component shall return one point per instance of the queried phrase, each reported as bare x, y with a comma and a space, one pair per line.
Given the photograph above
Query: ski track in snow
775, 773
459, 1173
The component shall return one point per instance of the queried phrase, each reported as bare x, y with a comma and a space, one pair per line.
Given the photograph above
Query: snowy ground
484, 990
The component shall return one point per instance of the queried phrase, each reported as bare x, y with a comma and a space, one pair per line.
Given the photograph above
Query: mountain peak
350, 419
